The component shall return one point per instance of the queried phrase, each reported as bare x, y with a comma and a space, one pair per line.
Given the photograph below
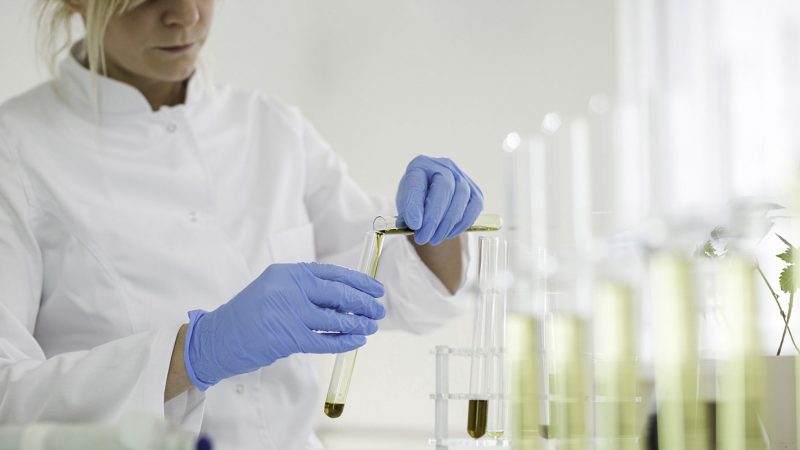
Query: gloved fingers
333, 321
471, 213
341, 297
335, 343
455, 212
411, 197
449, 164
349, 277
440, 192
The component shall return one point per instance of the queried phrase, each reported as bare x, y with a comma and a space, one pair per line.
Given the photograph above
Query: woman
131, 194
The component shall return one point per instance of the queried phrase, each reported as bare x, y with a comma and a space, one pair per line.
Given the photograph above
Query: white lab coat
109, 234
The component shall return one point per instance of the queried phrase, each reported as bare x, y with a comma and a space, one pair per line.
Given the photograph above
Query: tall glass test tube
493, 283
742, 382
343, 367
523, 346
615, 379
370, 257
487, 375
681, 419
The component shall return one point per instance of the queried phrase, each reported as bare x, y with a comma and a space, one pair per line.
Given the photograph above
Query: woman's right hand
281, 313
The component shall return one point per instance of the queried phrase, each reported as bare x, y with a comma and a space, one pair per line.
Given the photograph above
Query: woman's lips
177, 48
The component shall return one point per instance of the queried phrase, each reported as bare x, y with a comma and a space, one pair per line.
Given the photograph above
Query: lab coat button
239, 388
171, 127
193, 216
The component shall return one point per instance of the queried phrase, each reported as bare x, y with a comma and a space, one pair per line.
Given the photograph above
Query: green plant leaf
707, 250
787, 280
787, 256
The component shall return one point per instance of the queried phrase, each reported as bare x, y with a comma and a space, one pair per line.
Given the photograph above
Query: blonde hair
55, 29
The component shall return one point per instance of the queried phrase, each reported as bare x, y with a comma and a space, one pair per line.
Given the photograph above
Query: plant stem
775, 297
788, 318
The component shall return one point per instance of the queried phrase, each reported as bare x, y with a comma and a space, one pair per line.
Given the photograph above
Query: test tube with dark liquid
487, 376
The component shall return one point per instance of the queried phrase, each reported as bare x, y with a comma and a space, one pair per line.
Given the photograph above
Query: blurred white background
383, 81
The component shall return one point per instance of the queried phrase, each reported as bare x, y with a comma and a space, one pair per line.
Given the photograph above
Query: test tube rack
442, 397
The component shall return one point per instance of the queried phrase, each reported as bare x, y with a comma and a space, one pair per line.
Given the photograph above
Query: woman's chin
177, 74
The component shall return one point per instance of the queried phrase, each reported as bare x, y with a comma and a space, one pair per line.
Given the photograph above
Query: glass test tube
343, 367
523, 345
396, 225
526, 231
568, 382
496, 288
487, 375
442, 395
370, 257
568, 243
616, 412
496, 421
741, 384
681, 417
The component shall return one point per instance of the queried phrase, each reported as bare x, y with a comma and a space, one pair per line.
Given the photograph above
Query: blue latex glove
436, 199
277, 315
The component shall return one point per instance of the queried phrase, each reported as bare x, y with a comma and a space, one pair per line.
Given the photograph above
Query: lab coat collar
76, 84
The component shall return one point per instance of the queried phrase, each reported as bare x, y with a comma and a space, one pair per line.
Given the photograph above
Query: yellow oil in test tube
741, 384
616, 407
682, 422
523, 344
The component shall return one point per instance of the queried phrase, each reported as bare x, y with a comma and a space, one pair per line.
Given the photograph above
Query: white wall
384, 80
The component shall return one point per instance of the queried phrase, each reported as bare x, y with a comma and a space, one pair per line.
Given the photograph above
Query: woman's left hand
437, 200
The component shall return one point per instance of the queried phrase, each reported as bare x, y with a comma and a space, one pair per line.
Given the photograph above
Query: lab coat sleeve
103, 384
342, 214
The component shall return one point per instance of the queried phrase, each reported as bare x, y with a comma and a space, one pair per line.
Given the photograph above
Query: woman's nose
181, 13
